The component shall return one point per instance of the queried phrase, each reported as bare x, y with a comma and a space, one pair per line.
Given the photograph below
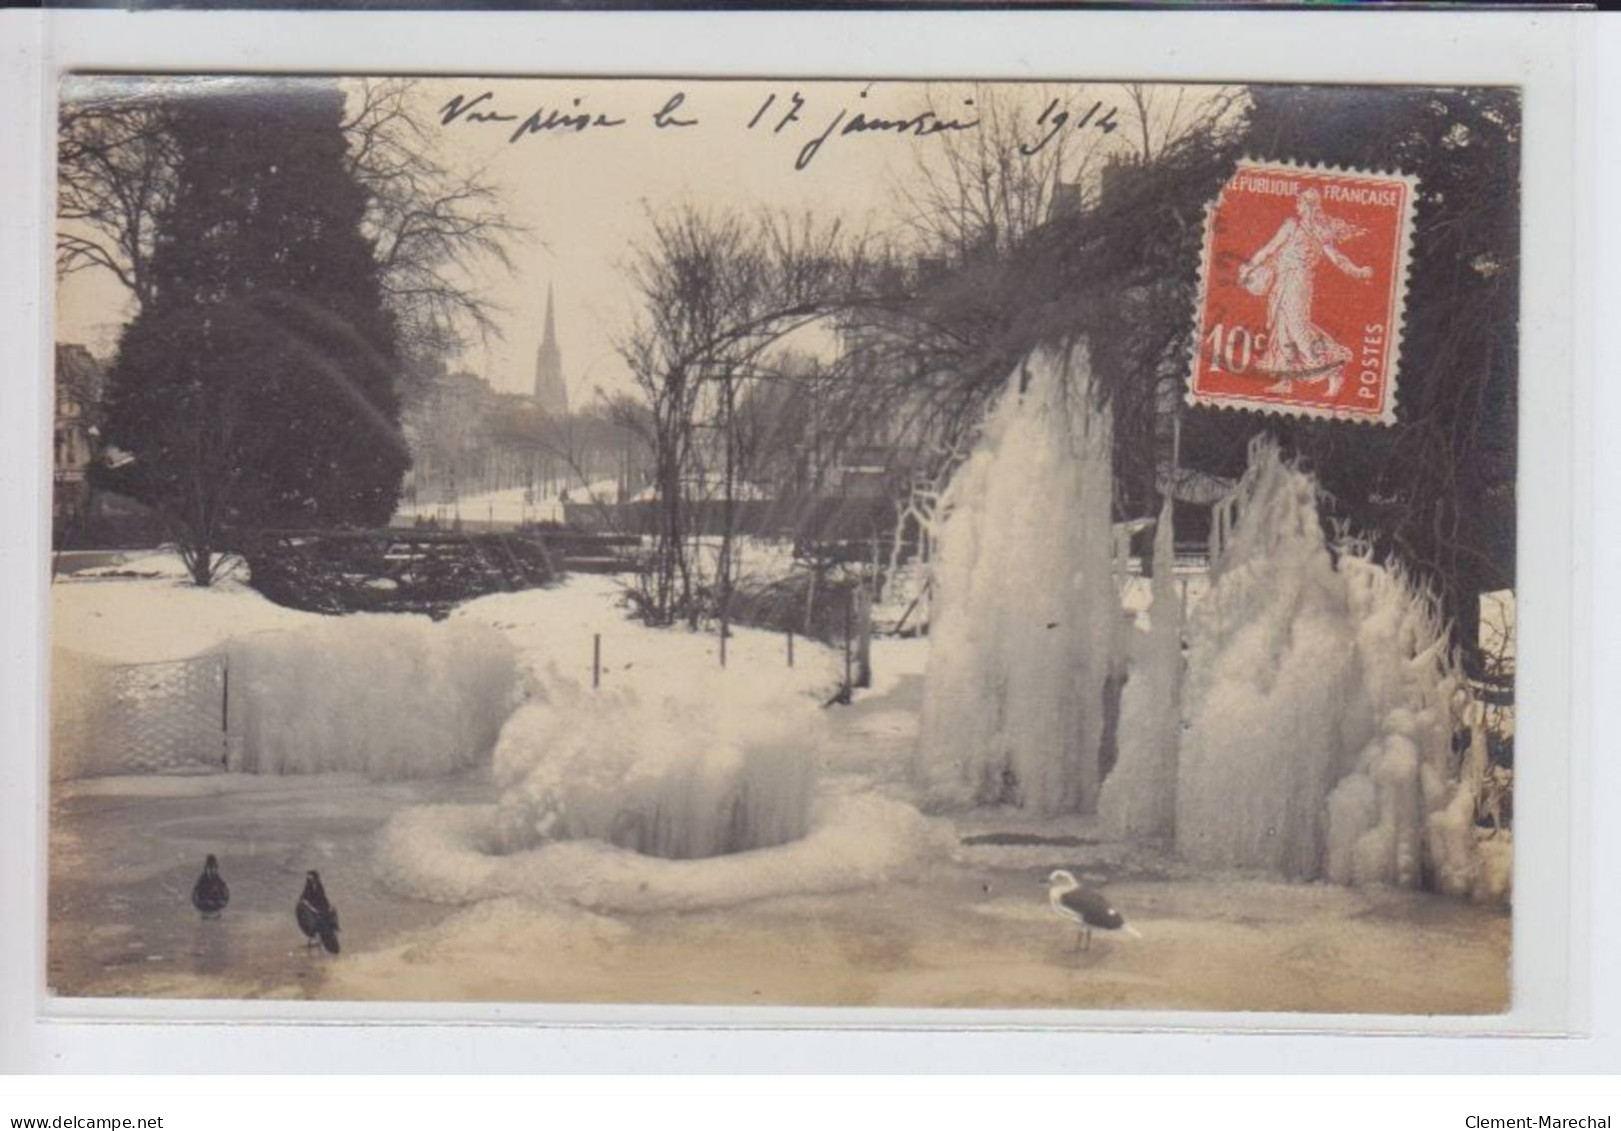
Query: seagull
210, 895
317, 918
1084, 907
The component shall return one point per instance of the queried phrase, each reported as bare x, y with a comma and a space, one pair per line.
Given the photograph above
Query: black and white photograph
958, 544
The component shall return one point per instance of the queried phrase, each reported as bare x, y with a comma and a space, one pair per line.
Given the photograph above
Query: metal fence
169, 715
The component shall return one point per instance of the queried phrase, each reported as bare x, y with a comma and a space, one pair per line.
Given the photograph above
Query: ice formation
450, 854
679, 775
83, 742
1139, 795
1399, 722
1026, 620
384, 696
1271, 657
1319, 707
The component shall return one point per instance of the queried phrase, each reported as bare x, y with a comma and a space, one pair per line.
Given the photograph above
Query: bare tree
719, 292
116, 173
1164, 116
985, 190
431, 225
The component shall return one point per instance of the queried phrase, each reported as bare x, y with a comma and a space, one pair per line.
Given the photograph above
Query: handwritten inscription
816, 123
845, 123
1055, 118
480, 110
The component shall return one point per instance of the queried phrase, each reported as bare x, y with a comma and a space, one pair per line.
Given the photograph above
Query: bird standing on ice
1084, 907
210, 895
317, 918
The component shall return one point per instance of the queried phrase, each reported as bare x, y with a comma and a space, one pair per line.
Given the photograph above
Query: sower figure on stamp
1297, 349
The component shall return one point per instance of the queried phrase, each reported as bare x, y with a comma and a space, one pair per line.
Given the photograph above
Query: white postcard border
1549, 54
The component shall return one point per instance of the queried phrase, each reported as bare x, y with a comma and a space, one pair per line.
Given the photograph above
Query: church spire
550, 390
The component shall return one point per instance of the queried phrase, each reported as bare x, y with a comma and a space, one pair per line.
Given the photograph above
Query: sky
586, 194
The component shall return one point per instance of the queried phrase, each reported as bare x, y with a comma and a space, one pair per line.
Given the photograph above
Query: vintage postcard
785, 543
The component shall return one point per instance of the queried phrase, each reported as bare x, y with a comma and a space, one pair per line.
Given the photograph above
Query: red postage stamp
1302, 286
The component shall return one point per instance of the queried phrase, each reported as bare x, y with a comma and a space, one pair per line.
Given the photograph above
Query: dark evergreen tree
255, 388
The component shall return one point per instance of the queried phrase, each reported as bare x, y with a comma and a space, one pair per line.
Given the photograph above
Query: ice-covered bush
385, 696
699, 772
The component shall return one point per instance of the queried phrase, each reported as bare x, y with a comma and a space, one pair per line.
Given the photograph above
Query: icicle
1271, 651
1139, 797
1320, 707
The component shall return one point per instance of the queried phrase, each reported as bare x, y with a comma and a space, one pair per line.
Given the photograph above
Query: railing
164, 716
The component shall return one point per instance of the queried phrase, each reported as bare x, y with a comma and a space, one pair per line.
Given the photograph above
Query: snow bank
142, 620
448, 854
677, 775
384, 696
1026, 626
673, 754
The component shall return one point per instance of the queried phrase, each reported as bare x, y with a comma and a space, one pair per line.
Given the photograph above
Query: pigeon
317, 918
1083, 906
210, 895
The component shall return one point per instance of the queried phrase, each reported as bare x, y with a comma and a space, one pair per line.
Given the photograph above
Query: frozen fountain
1026, 621
1139, 796
1272, 658
1307, 730
1320, 706
680, 777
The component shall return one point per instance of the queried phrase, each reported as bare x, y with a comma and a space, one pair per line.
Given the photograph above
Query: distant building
1066, 201
1118, 179
80, 380
550, 391
468, 439
447, 425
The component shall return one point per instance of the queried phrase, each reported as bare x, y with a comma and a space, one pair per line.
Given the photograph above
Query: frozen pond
957, 918
971, 930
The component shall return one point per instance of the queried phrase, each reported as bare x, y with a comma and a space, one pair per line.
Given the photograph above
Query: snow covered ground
508, 506
969, 929
144, 609
877, 906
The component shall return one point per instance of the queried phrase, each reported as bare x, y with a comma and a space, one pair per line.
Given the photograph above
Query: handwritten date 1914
790, 111
1056, 118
